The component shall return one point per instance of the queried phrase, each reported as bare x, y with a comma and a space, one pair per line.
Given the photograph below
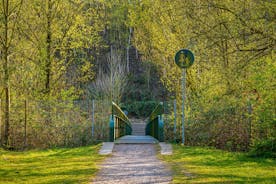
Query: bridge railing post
111, 128
160, 128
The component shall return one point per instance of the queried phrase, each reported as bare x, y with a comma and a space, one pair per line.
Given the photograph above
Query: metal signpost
184, 58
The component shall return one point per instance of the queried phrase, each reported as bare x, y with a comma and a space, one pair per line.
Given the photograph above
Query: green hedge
140, 108
264, 148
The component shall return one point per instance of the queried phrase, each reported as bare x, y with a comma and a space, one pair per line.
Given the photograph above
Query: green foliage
52, 123
144, 90
59, 165
201, 165
262, 98
51, 56
52, 49
230, 88
265, 148
140, 108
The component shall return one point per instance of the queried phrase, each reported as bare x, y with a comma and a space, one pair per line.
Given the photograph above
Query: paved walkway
107, 148
166, 149
133, 164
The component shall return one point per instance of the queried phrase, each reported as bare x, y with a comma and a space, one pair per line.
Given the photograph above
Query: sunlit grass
203, 165
61, 165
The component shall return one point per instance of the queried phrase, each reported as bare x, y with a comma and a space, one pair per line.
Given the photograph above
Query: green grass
203, 165
61, 165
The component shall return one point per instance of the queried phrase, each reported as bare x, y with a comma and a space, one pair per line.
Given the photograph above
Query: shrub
264, 148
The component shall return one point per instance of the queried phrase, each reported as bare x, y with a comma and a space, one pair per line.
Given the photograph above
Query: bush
140, 108
265, 148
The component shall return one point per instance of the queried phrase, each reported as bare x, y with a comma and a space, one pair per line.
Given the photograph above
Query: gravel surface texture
133, 163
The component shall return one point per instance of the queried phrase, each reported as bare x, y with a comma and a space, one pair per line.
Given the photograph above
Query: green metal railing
155, 125
119, 124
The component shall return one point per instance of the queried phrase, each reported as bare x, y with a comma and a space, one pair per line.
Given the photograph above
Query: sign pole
184, 58
183, 103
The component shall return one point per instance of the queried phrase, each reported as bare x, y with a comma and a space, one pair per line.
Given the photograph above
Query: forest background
61, 58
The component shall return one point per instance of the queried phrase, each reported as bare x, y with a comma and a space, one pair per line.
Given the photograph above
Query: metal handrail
155, 125
158, 110
117, 111
119, 123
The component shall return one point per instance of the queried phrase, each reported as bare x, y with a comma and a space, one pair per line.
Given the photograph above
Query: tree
63, 36
10, 13
227, 38
111, 80
52, 46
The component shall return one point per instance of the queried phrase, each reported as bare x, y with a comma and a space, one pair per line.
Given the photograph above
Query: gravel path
133, 163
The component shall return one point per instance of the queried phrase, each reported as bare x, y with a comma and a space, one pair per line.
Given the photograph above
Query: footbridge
125, 130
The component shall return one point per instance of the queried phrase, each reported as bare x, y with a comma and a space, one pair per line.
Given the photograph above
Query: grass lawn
61, 165
203, 165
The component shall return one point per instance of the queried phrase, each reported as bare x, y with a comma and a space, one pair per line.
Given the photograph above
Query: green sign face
184, 58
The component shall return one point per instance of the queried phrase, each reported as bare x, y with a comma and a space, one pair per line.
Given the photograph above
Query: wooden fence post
249, 109
93, 118
175, 116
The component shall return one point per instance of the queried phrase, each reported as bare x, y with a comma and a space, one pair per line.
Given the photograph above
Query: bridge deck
135, 139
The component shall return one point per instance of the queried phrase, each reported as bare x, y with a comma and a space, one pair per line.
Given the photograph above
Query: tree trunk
48, 47
6, 73
48, 65
128, 47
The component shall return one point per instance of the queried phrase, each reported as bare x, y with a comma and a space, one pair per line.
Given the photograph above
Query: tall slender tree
10, 11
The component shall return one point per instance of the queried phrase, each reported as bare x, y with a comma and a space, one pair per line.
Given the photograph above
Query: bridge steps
138, 126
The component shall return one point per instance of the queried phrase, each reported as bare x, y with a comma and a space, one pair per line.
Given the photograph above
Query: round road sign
184, 58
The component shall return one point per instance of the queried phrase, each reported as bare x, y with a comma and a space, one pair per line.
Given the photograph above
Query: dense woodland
58, 55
